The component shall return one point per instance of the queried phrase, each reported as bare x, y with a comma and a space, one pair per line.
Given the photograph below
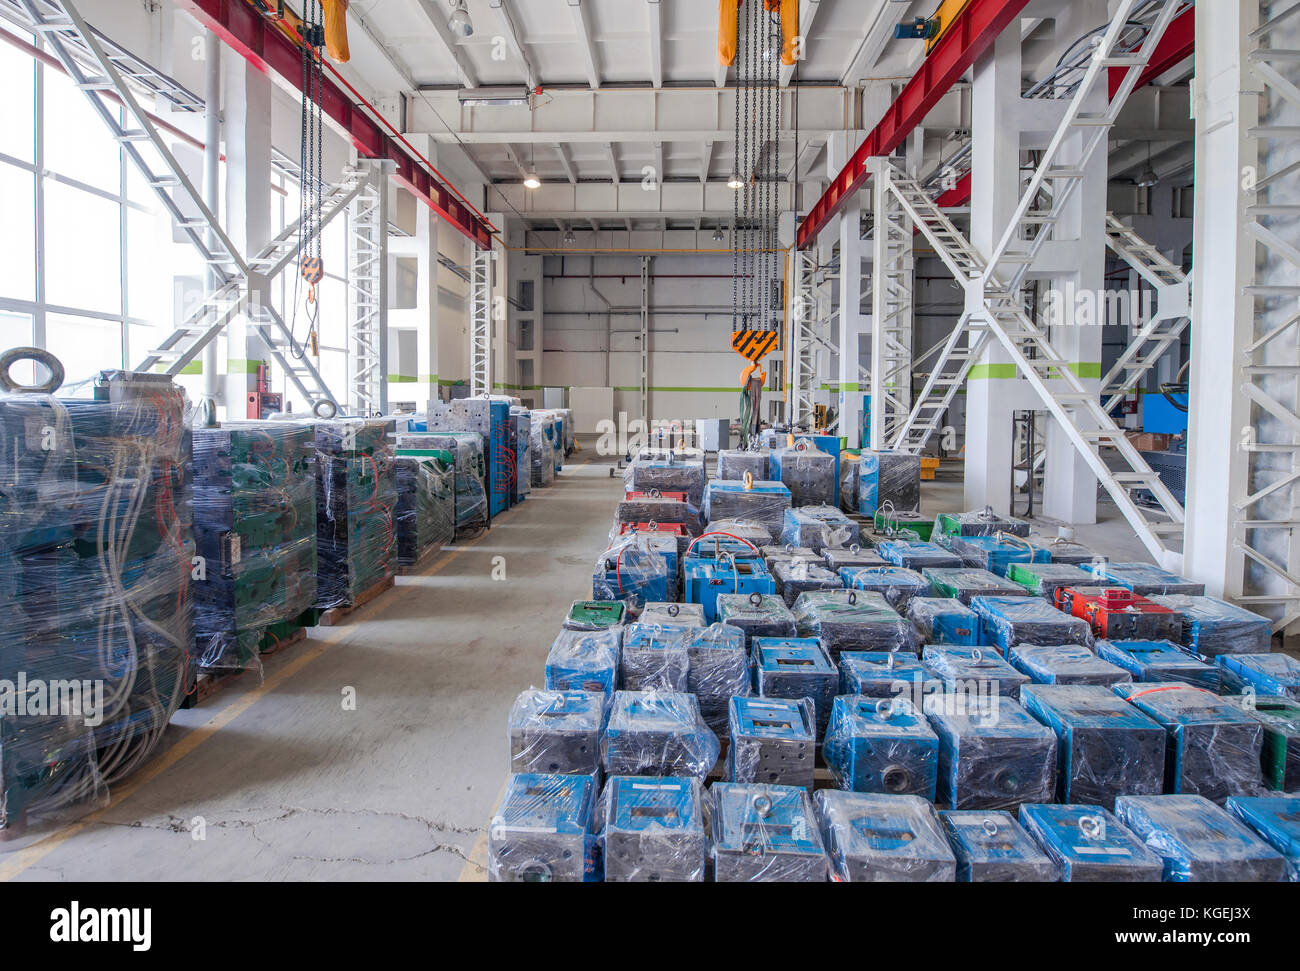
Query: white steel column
802, 380
368, 294
644, 344
853, 323
994, 389
480, 322
1244, 431
891, 309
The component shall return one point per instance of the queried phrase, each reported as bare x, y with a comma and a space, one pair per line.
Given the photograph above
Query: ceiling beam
613, 161
656, 11
706, 161
438, 20
645, 136
660, 172
582, 26
516, 42
807, 13
880, 33
565, 160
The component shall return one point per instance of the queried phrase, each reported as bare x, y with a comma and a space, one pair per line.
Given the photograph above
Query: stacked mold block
490, 419
761, 502
96, 553
543, 429
807, 471
425, 518
733, 463
255, 527
356, 495
471, 502
888, 479
523, 451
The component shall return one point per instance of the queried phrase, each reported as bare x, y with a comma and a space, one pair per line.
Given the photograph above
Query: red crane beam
269, 49
971, 33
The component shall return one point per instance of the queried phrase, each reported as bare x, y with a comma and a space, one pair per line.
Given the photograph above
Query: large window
86, 263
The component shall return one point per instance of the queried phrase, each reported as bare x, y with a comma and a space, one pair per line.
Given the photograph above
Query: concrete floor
291, 786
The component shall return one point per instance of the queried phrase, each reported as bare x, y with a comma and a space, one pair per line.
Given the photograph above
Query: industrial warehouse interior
789, 441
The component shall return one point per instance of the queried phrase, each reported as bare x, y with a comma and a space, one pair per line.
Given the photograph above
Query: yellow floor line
25, 858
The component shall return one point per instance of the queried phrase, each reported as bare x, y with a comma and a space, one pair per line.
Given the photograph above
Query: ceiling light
734, 182
494, 94
459, 21
569, 238
717, 236
1148, 178
532, 181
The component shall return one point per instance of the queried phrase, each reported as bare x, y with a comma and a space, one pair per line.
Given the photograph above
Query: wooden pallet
420, 565
209, 683
336, 615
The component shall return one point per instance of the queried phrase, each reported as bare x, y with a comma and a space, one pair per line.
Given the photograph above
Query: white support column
891, 309
368, 294
853, 323
1241, 460
995, 190
247, 124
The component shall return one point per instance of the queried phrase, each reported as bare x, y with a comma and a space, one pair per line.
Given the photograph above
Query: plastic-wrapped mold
466, 449
1212, 627
1159, 661
542, 832
944, 620
881, 745
852, 620
794, 577
659, 542
746, 537
425, 517
966, 583
1008, 621
991, 847
879, 838
1275, 820
764, 833
837, 559
1044, 579
684, 616
760, 501
785, 553
680, 533
979, 522
654, 658
1119, 614
1065, 664
915, 555
652, 830
1198, 841
733, 463
584, 661
595, 615
1089, 845
897, 584
667, 475
973, 670
1213, 748
757, 615
888, 477
556, 732
1269, 674
356, 495
658, 733
1145, 580
719, 671
890, 522
849, 481
887, 674
992, 754
807, 471
818, 527
796, 667
1066, 552
633, 570
1281, 754
657, 508
541, 449
773, 740
1107, 747
993, 553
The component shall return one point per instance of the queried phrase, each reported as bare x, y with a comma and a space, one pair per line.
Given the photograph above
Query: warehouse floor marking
31, 855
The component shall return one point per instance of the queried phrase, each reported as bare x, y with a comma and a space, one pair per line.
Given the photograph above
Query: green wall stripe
241, 365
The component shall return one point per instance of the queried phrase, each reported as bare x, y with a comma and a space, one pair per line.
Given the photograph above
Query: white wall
693, 372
